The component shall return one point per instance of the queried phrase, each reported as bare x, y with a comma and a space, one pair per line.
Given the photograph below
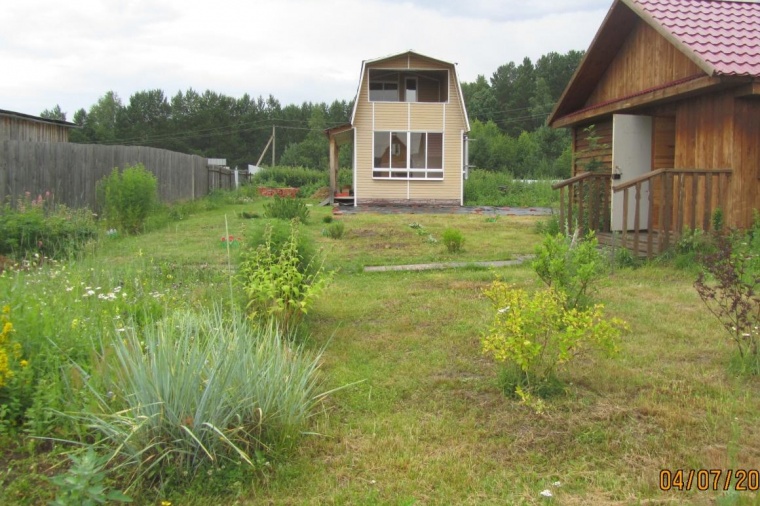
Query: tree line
507, 114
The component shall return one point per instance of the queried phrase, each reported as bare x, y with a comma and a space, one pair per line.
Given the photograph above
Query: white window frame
405, 173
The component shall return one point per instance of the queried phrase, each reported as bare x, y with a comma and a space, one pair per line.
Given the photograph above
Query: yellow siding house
409, 132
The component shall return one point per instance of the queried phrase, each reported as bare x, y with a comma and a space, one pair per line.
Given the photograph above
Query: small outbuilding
409, 133
665, 115
16, 126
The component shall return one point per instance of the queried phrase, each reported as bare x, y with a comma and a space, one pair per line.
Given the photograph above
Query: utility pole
274, 144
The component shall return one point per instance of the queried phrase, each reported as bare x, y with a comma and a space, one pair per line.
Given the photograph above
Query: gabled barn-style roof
721, 37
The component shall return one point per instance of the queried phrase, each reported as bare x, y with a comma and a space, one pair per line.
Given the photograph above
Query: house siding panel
634, 69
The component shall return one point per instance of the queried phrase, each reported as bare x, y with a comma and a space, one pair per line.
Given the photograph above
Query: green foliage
453, 240
15, 374
287, 209
485, 188
84, 483
278, 234
549, 226
40, 227
569, 265
277, 284
293, 177
327, 218
594, 144
729, 285
542, 153
128, 197
201, 388
539, 333
335, 230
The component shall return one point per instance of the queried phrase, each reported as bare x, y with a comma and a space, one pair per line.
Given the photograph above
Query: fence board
71, 171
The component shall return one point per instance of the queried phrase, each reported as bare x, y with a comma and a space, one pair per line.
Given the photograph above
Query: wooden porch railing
678, 198
584, 202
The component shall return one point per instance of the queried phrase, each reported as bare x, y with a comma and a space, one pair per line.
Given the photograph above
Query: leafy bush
569, 265
278, 233
84, 483
277, 284
535, 335
39, 226
335, 230
327, 219
453, 240
729, 285
287, 209
205, 388
128, 197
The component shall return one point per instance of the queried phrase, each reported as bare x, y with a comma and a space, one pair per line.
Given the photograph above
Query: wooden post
334, 151
637, 218
708, 203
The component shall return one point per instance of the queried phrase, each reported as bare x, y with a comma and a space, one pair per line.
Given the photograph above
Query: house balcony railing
677, 200
584, 202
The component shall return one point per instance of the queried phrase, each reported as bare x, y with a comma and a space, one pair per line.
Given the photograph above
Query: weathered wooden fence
70, 171
223, 178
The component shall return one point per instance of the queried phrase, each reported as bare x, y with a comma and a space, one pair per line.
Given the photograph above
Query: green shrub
549, 226
278, 234
535, 335
729, 286
453, 240
335, 230
84, 483
570, 265
277, 284
129, 197
327, 219
198, 389
293, 177
39, 226
487, 188
287, 209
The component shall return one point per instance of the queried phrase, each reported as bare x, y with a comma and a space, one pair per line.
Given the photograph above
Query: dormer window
387, 85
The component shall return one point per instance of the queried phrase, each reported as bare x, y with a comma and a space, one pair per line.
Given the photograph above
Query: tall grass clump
287, 209
453, 240
200, 389
487, 188
128, 197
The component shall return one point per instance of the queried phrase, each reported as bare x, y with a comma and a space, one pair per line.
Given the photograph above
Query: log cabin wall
588, 152
705, 140
745, 181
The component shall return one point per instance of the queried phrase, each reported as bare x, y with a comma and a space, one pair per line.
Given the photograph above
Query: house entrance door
631, 158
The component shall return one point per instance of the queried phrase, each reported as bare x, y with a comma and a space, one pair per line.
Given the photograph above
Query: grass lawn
423, 420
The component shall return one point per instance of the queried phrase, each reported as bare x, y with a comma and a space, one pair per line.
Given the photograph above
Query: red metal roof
724, 34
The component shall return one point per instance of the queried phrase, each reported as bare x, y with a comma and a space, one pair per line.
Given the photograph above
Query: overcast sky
72, 53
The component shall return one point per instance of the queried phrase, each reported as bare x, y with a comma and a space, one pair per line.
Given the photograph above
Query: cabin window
408, 155
386, 85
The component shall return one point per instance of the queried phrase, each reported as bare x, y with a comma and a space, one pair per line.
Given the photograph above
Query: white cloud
296, 50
